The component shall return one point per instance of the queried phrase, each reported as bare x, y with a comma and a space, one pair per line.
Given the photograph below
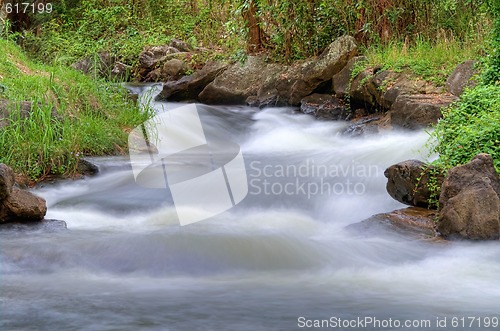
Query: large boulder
18, 110
420, 110
462, 77
261, 83
17, 205
189, 87
314, 72
408, 182
239, 82
470, 201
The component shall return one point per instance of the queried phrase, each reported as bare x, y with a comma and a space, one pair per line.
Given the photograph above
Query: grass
71, 116
433, 61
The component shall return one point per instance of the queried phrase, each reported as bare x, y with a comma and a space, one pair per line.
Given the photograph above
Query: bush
470, 127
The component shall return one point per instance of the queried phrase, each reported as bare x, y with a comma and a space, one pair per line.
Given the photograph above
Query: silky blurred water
125, 263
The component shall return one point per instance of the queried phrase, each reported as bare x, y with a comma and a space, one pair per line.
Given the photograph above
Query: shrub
470, 127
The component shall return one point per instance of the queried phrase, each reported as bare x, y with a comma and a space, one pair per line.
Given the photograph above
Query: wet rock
362, 127
408, 181
17, 205
189, 87
324, 106
462, 77
409, 223
86, 168
417, 111
22, 206
470, 201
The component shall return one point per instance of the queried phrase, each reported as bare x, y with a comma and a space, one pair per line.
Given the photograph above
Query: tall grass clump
71, 116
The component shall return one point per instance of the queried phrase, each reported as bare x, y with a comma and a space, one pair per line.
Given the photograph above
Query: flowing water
276, 261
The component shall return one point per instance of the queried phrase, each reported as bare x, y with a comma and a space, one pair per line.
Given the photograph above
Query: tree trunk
255, 36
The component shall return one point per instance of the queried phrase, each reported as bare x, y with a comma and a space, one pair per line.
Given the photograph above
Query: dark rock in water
189, 87
470, 201
362, 127
324, 106
462, 77
17, 205
46, 225
412, 222
417, 111
408, 181
134, 97
86, 168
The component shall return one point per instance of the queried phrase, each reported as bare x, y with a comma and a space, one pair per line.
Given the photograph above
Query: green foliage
71, 116
433, 61
292, 29
470, 127
301, 28
124, 29
491, 73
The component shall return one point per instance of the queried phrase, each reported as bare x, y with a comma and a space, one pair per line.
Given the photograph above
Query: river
279, 260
